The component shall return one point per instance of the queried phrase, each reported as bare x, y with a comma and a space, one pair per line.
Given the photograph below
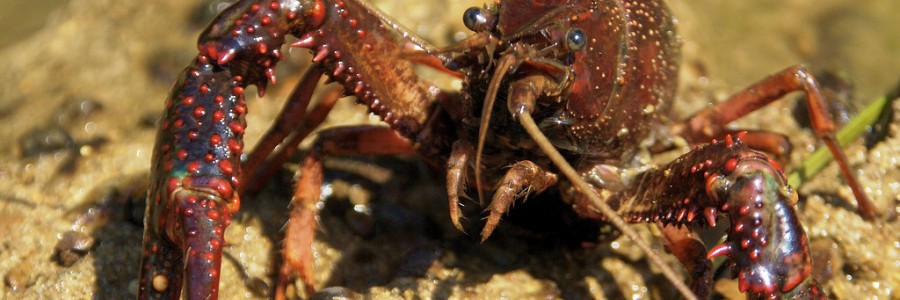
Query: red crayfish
572, 87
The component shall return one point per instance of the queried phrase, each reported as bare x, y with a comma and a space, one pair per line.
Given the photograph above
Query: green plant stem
853, 130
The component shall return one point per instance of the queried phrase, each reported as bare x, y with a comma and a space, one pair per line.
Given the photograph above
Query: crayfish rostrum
566, 92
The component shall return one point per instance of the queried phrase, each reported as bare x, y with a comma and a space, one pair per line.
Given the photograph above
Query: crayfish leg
709, 123
294, 124
301, 228
524, 177
457, 174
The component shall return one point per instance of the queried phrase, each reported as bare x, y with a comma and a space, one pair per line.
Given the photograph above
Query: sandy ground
78, 97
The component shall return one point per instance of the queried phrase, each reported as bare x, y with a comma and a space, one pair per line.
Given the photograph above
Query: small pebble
72, 247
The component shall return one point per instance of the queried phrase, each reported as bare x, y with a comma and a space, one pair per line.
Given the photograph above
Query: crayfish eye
575, 39
476, 19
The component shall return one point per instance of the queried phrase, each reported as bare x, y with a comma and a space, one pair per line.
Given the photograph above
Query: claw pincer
196, 171
766, 245
192, 197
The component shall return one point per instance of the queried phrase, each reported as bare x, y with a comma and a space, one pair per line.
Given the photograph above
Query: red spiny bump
172, 185
212, 214
169, 165
262, 48
226, 167
218, 115
728, 141
254, 7
234, 146
745, 243
199, 112
274, 5
195, 73
204, 88
213, 272
215, 139
209, 157
235, 181
208, 256
193, 167
193, 134
266, 20
236, 32
756, 232
754, 255
238, 90
182, 154
203, 59
321, 54
215, 243
317, 16
189, 212
720, 250
730, 165
178, 123
744, 210
240, 109
692, 214
739, 228
739, 136
222, 187
353, 23
251, 30
339, 68
710, 214
361, 33
188, 101
219, 99
236, 128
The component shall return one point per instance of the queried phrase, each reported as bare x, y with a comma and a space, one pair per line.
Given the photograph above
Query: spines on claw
766, 244
362, 53
247, 36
